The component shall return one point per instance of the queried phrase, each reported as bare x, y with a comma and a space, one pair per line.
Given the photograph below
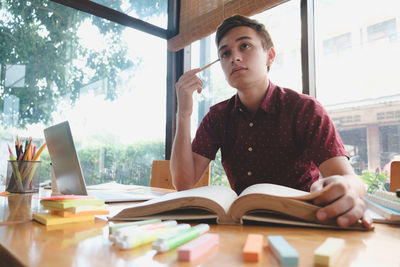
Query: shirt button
240, 109
250, 149
249, 173
251, 124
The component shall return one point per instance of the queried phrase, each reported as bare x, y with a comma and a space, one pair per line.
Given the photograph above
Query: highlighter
136, 229
165, 244
148, 236
113, 227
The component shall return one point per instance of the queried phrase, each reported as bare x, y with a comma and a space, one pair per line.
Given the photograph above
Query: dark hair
237, 21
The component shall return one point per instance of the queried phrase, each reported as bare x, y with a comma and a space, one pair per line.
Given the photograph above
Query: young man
267, 134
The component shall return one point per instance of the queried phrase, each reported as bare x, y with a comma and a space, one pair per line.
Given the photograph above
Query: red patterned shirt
283, 143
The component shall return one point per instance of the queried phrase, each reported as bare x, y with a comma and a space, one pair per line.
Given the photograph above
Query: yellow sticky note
49, 219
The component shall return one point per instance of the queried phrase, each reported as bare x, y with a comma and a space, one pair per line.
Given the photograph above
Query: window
151, 11
283, 24
383, 30
360, 87
59, 64
337, 44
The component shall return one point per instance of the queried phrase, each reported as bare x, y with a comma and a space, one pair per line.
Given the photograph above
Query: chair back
161, 175
394, 176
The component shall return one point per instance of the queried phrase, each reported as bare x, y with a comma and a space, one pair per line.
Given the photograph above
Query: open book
261, 202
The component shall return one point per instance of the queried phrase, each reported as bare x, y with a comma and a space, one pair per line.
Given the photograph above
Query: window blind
200, 18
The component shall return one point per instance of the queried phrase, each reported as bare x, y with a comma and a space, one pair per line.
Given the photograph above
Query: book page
259, 201
222, 195
214, 198
280, 191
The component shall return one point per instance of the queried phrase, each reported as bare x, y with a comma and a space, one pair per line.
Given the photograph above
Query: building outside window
360, 85
386, 30
337, 44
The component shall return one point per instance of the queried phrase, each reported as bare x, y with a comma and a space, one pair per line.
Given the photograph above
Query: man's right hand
186, 85
186, 166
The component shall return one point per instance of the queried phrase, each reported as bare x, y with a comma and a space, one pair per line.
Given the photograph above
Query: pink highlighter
197, 247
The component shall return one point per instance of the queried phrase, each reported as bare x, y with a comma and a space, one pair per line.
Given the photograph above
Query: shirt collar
267, 104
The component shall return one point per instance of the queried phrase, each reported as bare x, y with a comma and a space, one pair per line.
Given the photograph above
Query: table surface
28, 243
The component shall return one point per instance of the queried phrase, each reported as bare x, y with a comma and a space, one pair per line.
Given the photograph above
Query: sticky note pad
49, 219
197, 247
253, 247
329, 251
286, 254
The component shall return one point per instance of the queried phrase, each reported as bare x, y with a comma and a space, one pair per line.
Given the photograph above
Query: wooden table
27, 243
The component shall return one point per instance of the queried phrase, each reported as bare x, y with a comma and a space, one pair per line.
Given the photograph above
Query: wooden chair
161, 175
394, 176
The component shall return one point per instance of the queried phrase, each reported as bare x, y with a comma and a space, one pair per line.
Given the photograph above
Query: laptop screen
64, 159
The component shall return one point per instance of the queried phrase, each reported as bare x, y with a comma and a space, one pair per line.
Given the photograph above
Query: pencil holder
23, 176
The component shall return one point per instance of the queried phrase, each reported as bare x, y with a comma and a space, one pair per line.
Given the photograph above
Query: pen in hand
208, 65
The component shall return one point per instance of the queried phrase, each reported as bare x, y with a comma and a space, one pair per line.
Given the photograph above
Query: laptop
68, 172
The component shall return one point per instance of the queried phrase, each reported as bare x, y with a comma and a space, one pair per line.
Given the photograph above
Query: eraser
329, 251
286, 254
197, 247
253, 247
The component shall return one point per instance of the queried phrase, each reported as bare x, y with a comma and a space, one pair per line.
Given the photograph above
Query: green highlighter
171, 242
114, 227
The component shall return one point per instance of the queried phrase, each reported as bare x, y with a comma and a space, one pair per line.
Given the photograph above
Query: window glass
357, 63
60, 64
283, 24
151, 11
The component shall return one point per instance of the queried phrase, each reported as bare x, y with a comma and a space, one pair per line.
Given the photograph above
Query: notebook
68, 172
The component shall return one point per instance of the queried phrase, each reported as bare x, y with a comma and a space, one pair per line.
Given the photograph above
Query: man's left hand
340, 200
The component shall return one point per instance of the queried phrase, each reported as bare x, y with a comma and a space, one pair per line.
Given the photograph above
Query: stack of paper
69, 209
385, 204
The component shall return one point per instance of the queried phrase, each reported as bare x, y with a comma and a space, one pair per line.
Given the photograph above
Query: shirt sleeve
207, 140
318, 133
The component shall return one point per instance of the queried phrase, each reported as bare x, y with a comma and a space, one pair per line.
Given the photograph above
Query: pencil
39, 152
209, 65
27, 152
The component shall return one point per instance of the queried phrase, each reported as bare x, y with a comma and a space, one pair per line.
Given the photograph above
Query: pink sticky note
197, 247
67, 197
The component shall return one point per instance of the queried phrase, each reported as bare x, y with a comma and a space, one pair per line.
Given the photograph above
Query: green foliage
144, 8
374, 180
43, 36
218, 176
36, 35
125, 165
